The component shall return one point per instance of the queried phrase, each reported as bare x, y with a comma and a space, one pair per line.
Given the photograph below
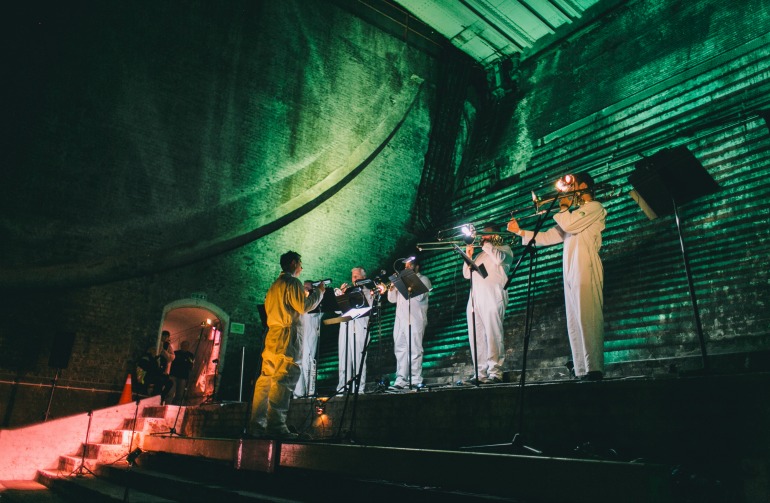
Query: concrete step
68, 464
168, 412
28, 491
91, 488
122, 437
152, 416
95, 454
114, 445
185, 488
149, 425
106, 453
195, 479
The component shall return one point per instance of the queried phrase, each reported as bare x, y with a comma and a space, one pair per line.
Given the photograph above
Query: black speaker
61, 350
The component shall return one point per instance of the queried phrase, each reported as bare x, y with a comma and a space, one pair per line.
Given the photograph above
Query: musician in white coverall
284, 303
308, 332
352, 337
488, 299
419, 317
580, 230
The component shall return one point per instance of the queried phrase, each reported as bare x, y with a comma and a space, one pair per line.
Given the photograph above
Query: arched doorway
203, 327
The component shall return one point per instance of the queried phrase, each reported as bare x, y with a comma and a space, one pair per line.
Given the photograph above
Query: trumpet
382, 284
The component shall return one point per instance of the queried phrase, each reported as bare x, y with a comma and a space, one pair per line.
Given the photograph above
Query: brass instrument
382, 284
469, 237
606, 190
465, 234
567, 187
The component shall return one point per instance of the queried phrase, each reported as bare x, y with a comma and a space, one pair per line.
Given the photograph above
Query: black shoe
395, 387
473, 382
493, 380
593, 375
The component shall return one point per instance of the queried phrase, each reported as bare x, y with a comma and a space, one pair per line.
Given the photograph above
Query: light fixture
566, 183
131, 458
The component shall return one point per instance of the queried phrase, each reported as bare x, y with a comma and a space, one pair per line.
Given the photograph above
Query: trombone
463, 235
466, 234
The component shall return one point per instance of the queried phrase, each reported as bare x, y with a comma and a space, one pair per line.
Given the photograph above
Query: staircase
76, 475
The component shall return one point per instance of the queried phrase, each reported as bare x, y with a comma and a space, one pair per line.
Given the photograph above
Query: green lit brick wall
650, 75
162, 149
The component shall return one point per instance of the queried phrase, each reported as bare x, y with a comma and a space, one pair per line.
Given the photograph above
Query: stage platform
711, 430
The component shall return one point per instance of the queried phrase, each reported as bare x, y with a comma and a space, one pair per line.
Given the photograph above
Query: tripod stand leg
518, 445
50, 397
82, 469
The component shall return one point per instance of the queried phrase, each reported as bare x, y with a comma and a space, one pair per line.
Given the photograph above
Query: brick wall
649, 75
154, 150
158, 149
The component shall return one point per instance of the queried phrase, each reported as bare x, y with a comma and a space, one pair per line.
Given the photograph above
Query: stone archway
205, 328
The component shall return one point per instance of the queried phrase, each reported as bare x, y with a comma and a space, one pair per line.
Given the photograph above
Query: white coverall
490, 297
419, 315
581, 232
352, 338
284, 303
308, 330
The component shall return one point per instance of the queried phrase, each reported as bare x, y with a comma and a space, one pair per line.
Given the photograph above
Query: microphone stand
81, 470
347, 356
409, 351
483, 271
313, 367
357, 383
517, 443
377, 308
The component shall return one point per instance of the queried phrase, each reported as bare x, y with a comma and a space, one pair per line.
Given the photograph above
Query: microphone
365, 282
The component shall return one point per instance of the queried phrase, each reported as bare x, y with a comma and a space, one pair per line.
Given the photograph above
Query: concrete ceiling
493, 30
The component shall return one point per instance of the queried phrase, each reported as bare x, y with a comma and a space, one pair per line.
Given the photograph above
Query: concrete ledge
508, 476
219, 449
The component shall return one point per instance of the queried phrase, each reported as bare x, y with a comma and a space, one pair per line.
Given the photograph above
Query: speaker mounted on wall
672, 174
61, 350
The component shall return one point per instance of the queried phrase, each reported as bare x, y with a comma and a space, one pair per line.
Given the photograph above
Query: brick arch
184, 318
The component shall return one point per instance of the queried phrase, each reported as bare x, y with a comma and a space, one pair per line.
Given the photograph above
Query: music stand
663, 182
483, 271
409, 284
353, 305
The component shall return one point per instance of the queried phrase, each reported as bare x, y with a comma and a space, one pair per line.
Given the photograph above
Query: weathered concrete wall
161, 150
649, 75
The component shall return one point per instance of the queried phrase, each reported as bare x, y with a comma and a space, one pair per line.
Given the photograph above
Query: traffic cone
126, 397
